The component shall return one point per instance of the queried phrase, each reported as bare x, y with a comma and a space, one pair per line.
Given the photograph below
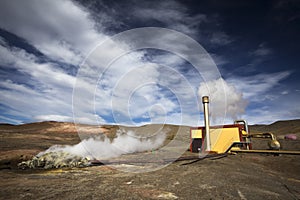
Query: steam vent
58, 159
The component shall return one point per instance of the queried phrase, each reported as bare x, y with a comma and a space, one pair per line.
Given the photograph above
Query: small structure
225, 138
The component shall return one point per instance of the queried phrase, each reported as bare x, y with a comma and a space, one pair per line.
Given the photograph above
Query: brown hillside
279, 127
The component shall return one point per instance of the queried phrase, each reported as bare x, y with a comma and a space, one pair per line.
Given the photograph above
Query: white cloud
47, 73
172, 14
262, 51
2, 41
273, 112
52, 99
61, 118
268, 104
60, 30
256, 87
51, 88
125, 76
285, 92
9, 120
131, 87
220, 38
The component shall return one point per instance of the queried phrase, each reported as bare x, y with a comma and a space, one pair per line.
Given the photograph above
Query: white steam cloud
125, 143
225, 99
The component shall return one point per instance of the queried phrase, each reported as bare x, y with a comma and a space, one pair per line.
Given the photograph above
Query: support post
205, 101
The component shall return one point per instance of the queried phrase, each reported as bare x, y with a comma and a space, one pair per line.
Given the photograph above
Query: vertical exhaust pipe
205, 101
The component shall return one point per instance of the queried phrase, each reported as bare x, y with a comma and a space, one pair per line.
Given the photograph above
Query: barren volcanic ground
241, 176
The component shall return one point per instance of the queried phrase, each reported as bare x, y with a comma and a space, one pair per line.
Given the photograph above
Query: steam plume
225, 99
124, 143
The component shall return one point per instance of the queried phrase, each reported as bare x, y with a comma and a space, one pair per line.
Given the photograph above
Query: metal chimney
205, 101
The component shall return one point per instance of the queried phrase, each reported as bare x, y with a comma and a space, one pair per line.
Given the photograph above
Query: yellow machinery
222, 139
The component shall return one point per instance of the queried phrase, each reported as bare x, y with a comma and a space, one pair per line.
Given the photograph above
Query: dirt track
242, 176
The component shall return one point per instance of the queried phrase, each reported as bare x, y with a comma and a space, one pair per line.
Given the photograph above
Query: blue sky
44, 46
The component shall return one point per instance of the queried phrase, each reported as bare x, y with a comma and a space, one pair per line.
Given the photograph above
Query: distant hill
279, 127
32, 127
6, 124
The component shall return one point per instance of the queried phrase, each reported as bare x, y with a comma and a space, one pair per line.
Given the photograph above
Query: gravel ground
241, 176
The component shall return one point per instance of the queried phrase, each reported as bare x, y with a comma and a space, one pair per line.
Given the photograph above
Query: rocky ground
241, 176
